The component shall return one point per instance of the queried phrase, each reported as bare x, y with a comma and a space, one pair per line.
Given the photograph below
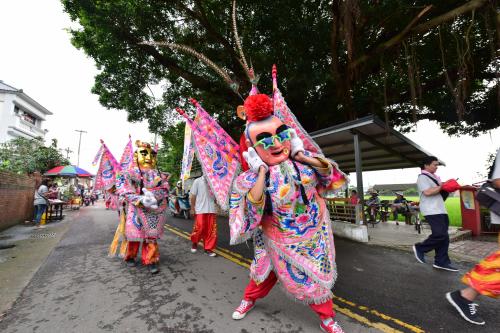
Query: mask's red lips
277, 153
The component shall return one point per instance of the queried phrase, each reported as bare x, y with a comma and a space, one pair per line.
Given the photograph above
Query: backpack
489, 196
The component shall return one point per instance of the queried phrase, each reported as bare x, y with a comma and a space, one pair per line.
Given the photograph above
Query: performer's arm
257, 190
126, 190
322, 166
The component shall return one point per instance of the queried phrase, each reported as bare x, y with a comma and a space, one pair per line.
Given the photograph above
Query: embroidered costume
294, 239
277, 202
142, 189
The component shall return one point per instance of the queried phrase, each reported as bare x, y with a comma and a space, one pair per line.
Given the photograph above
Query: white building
20, 115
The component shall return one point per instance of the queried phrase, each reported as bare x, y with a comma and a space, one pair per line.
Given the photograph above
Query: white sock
327, 321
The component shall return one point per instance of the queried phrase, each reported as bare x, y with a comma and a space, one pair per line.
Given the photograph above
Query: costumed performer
145, 193
277, 202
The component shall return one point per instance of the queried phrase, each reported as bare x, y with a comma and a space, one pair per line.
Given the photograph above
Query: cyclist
399, 206
372, 205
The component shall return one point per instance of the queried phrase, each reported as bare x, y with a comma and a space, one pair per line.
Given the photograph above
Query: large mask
145, 156
271, 140
268, 135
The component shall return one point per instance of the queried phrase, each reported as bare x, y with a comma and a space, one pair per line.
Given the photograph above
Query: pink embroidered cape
296, 239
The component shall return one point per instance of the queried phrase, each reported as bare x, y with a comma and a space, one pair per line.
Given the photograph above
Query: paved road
378, 280
78, 289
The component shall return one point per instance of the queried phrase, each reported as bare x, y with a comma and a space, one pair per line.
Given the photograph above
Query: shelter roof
381, 146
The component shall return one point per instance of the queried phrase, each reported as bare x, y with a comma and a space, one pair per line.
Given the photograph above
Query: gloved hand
253, 159
295, 143
148, 199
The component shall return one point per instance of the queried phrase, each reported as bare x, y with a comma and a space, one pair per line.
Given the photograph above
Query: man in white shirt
434, 211
203, 209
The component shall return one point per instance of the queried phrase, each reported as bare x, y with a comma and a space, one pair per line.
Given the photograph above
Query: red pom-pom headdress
258, 107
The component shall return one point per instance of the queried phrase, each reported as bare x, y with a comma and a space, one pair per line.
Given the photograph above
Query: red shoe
331, 327
241, 311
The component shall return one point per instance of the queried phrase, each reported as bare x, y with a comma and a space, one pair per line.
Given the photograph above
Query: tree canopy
26, 156
170, 155
337, 59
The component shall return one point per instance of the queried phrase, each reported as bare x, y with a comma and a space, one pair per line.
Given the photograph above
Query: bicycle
377, 213
414, 216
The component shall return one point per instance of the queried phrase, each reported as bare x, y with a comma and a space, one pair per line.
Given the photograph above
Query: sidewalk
30, 248
462, 246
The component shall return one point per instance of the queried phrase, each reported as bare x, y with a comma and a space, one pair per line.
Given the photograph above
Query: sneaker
242, 310
446, 267
194, 248
153, 268
466, 308
130, 262
419, 255
211, 253
331, 326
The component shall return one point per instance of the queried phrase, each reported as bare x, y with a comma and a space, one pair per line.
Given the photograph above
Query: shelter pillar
359, 175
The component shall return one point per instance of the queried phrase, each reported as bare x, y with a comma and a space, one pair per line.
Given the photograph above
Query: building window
29, 118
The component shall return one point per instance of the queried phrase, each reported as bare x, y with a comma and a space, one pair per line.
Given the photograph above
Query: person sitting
179, 191
371, 204
354, 198
399, 206
374, 199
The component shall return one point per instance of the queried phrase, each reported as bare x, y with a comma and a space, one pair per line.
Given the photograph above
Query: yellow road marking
410, 327
244, 262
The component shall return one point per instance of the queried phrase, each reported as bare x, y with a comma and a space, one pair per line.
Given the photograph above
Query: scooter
179, 206
86, 199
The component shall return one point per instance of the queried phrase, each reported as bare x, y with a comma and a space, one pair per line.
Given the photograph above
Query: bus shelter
368, 144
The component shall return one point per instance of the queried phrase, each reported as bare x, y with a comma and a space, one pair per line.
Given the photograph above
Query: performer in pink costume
278, 204
145, 194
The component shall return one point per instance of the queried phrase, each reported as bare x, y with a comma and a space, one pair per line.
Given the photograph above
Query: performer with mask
277, 202
145, 193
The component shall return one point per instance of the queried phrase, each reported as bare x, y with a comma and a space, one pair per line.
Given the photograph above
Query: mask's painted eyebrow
263, 135
281, 128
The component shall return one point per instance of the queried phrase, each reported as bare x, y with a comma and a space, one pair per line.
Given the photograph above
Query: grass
452, 207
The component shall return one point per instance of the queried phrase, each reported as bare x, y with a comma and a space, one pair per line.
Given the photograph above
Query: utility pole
79, 143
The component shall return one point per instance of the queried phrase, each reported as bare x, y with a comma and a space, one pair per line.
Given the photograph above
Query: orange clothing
485, 276
150, 252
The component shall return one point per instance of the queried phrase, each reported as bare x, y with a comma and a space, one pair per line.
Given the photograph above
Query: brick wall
16, 198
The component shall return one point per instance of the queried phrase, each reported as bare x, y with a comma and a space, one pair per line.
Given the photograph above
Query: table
54, 210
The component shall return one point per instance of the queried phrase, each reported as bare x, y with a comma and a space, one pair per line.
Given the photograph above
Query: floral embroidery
298, 240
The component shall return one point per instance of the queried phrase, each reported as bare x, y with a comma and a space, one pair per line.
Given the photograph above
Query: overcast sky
37, 56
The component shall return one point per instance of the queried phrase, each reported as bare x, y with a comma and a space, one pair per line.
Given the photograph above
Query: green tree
338, 60
26, 156
170, 155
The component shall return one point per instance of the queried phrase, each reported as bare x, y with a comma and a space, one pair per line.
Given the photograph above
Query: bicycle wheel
418, 224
